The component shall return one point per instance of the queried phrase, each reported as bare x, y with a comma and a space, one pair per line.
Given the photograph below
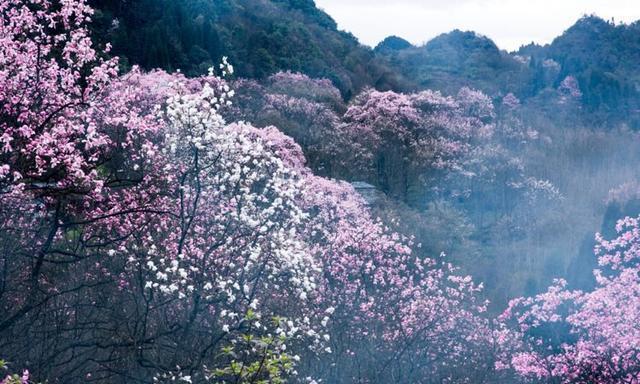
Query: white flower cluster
248, 197
168, 276
238, 223
174, 377
225, 67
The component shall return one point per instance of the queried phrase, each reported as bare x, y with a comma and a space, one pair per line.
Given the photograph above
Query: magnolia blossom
583, 337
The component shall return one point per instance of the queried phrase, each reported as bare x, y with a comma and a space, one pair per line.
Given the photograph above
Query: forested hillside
260, 36
236, 191
601, 56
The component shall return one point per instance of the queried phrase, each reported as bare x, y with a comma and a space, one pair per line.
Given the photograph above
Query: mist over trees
238, 192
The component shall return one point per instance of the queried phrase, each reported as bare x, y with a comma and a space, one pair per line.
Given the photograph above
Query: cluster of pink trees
144, 238
398, 142
581, 337
404, 144
402, 140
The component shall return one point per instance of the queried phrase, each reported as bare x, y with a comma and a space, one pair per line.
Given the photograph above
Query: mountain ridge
262, 37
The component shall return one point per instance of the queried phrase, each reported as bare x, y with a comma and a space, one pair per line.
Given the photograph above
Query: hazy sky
510, 23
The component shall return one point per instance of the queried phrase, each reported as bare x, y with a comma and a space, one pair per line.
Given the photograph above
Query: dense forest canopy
260, 37
236, 191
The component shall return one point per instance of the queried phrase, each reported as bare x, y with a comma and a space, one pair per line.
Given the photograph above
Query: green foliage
254, 356
453, 60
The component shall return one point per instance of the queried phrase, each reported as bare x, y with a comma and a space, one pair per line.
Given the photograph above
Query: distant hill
392, 44
605, 58
457, 59
259, 36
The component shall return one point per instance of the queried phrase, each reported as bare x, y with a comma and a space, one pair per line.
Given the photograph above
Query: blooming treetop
583, 337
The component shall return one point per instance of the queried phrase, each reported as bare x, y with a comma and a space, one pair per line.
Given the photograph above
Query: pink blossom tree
64, 132
569, 88
582, 337
398, 138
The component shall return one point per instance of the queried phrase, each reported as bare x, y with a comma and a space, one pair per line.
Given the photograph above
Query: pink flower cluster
583, 337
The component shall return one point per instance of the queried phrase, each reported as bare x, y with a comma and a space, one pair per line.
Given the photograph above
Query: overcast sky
510, 23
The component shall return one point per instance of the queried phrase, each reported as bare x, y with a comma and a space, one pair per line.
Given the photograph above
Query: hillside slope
260, 37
